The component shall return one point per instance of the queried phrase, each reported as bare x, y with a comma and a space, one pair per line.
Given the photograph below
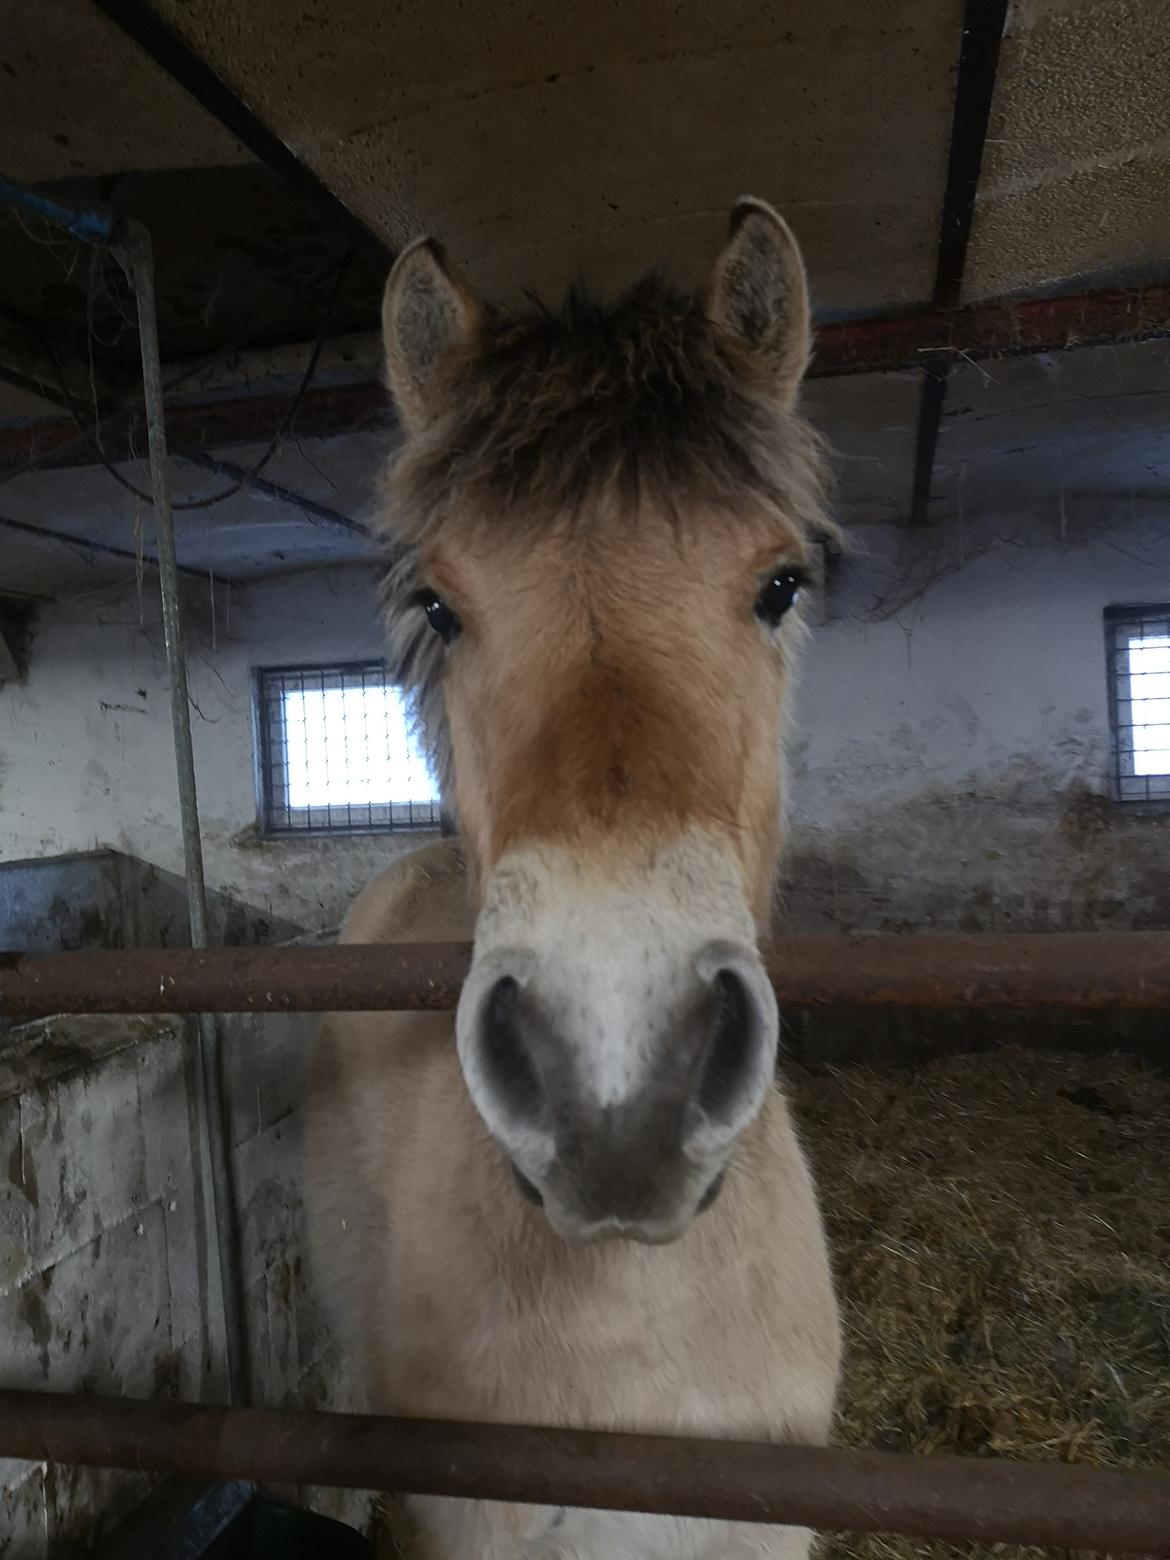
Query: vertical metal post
130, 242
979, 46
134, 251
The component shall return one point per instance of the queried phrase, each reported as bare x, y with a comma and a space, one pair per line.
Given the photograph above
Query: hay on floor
1000, 1227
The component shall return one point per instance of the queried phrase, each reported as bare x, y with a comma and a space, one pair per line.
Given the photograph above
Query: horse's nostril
732, 1051
508, 1068
712, 1192
529, 1192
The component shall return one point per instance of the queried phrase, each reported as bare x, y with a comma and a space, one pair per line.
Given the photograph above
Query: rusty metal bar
986, 1500
1072, 970
1011, 327
1001, 327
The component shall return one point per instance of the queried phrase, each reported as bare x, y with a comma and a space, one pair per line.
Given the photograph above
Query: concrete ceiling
595, 135
599, 135
1076, 175
80, 100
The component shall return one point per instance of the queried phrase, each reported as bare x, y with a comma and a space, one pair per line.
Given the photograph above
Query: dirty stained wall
951, 760
950, 751
100, 1197
98, 1201
107, 899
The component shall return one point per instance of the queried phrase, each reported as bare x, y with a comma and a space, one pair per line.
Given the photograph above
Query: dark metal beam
83, 543
985, 1500
140, 22
32, 386
931, 399
1013, 327
1001, 327
983, 24
256, 484
245, 419
1072, 970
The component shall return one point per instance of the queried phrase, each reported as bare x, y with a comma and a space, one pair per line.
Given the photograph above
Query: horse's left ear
757, 291
428, 317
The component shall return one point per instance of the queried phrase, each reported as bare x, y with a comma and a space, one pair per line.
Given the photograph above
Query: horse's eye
778, 595
440, 617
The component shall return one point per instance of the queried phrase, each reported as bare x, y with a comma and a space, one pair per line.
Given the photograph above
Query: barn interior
980, 191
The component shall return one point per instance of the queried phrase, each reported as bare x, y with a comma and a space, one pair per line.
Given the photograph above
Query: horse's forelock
641, 398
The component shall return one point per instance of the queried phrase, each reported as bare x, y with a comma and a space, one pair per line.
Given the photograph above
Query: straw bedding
1001, 1233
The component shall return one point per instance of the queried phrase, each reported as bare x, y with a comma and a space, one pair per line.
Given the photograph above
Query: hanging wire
90, 435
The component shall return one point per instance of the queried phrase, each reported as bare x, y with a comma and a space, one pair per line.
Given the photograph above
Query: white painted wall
949, 762
86, 756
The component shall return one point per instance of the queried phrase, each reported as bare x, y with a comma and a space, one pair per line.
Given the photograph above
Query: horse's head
601, 523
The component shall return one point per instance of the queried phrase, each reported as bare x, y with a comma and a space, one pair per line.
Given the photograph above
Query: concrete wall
101, 1285
93, 899
295, 1360
106, 899
949, 756
85, 742
100, 1202
951, 752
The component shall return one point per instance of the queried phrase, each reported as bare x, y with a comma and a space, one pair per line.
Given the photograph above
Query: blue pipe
91, 226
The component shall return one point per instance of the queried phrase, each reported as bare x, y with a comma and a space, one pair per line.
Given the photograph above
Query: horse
582, 1201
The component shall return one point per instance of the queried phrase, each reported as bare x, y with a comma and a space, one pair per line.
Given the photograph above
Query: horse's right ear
427, 316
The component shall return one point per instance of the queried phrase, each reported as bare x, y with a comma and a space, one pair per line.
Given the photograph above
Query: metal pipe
135, 254
86, 544
130, 243
1078, 971
92, 225
984, 1500
932, 399
257, 484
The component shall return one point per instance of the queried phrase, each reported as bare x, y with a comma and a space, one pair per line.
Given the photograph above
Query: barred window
1138, 648
336, 753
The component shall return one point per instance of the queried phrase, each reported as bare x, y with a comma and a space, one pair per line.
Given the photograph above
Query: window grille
336, 753
1138, 651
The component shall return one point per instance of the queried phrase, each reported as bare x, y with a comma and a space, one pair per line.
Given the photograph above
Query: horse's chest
595, 1356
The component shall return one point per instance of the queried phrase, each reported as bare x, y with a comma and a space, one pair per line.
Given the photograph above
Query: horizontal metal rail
985, 1500
1001, 327
1071, 970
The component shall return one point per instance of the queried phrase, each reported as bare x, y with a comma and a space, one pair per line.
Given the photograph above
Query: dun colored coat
583, 1202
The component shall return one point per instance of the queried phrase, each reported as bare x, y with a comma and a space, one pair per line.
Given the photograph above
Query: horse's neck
421, 897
